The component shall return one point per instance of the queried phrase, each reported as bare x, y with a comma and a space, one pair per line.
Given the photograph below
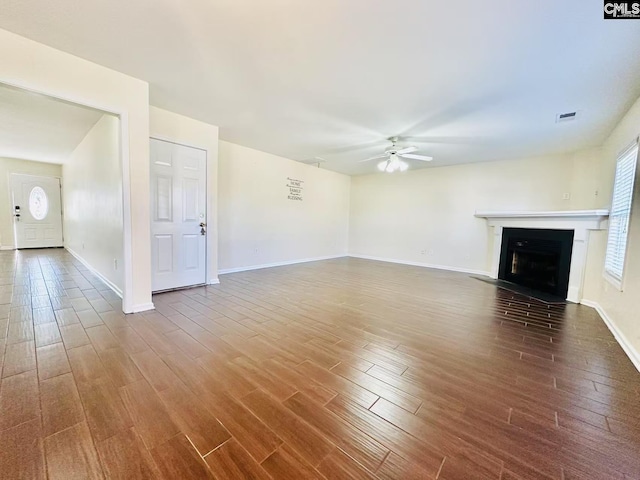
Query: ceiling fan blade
352, 148
377, 157
417, 157
459, 140
406, 150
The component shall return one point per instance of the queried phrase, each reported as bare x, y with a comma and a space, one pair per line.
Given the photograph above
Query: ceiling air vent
566, 117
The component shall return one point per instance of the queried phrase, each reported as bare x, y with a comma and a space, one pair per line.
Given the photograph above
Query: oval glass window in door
38, 203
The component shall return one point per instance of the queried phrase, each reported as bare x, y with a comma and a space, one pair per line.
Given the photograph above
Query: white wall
259, 225
7, 167
177, 128
621, 308
36, 67
427, 216
92, 201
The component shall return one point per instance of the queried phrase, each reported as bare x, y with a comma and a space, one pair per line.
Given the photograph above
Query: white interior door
37, 211
178, 215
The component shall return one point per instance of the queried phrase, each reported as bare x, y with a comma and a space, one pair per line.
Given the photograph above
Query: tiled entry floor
339, 369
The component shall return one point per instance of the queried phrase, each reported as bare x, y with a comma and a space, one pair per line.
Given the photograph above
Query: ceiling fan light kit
392, 158
394, 164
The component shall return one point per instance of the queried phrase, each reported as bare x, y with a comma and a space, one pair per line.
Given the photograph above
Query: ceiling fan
392, 157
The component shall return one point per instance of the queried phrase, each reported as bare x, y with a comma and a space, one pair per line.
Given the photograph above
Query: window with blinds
620, 213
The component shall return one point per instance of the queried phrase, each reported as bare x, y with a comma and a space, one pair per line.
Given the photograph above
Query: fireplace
581, 222
537, 258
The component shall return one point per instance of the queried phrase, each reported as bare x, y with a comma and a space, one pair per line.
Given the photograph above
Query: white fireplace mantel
580, 221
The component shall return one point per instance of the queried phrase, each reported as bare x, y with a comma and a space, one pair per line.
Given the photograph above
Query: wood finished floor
338, 369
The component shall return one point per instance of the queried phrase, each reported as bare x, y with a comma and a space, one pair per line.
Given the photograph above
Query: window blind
620, 213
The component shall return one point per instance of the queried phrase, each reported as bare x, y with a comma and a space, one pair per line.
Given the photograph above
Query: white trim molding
214, 281
595, 216
277, 264
104, 280
612, 280
419, 264
620, 337
143, 307
580, 221
7, 247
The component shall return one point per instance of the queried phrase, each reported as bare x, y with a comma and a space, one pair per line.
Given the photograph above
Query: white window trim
618, 283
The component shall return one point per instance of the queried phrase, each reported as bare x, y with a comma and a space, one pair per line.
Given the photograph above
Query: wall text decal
295, 189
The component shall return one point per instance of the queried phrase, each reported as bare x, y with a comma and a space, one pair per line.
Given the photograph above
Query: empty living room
319, 240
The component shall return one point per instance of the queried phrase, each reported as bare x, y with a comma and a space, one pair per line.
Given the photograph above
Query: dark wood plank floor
338, 369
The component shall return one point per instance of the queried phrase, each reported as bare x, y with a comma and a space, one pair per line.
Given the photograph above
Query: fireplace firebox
539, 259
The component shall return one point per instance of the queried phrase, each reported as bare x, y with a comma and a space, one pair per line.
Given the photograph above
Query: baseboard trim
419, 264
277, 264
143, 307
107, 282
7, 247
620, 337
214, 281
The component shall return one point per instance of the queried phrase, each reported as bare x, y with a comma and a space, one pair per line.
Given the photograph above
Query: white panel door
37, 211
178, 215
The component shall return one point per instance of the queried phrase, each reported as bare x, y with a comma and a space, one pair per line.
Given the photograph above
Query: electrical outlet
566, 196
431, 252
255, 251
423, 252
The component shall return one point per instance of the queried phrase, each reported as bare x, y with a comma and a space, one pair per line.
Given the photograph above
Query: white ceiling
306, 78
41, 128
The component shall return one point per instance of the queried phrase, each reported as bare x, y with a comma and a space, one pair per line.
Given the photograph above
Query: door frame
11, 206
208, 215
123, 147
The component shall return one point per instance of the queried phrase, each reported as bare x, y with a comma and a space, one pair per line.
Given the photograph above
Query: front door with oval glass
36, 211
